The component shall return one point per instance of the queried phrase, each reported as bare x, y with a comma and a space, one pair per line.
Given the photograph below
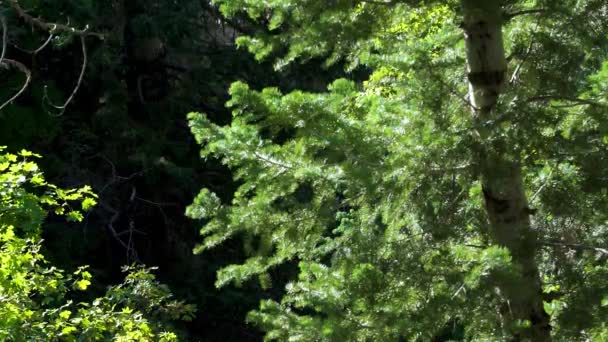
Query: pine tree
459, 192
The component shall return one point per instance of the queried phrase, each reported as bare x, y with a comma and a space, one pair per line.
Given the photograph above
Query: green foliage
373, 188
35, 296
314, 28
141, 292
26, 195
111, 140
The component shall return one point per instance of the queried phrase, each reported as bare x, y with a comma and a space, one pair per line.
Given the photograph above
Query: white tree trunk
505, 199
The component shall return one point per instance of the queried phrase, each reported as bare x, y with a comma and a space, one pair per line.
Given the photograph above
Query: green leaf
75, 216
65, 314
82, 284
88, 203
68, 330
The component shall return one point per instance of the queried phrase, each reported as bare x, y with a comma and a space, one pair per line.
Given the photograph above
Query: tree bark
505, 200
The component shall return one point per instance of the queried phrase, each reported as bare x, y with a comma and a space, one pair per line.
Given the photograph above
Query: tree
37, 298
458, 189
124, 130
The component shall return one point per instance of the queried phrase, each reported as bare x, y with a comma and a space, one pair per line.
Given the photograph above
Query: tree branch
52, 27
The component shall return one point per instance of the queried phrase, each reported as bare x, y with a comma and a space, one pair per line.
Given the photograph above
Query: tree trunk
505, 199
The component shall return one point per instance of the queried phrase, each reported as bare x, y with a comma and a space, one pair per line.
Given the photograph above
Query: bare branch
52, 27
63, 107
24, 70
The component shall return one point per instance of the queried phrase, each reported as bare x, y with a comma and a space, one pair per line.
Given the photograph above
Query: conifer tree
458, 192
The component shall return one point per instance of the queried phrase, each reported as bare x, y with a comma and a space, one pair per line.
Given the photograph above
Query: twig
63, 107
28, 78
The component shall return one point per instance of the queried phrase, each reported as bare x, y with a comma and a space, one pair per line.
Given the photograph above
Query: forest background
106, 91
